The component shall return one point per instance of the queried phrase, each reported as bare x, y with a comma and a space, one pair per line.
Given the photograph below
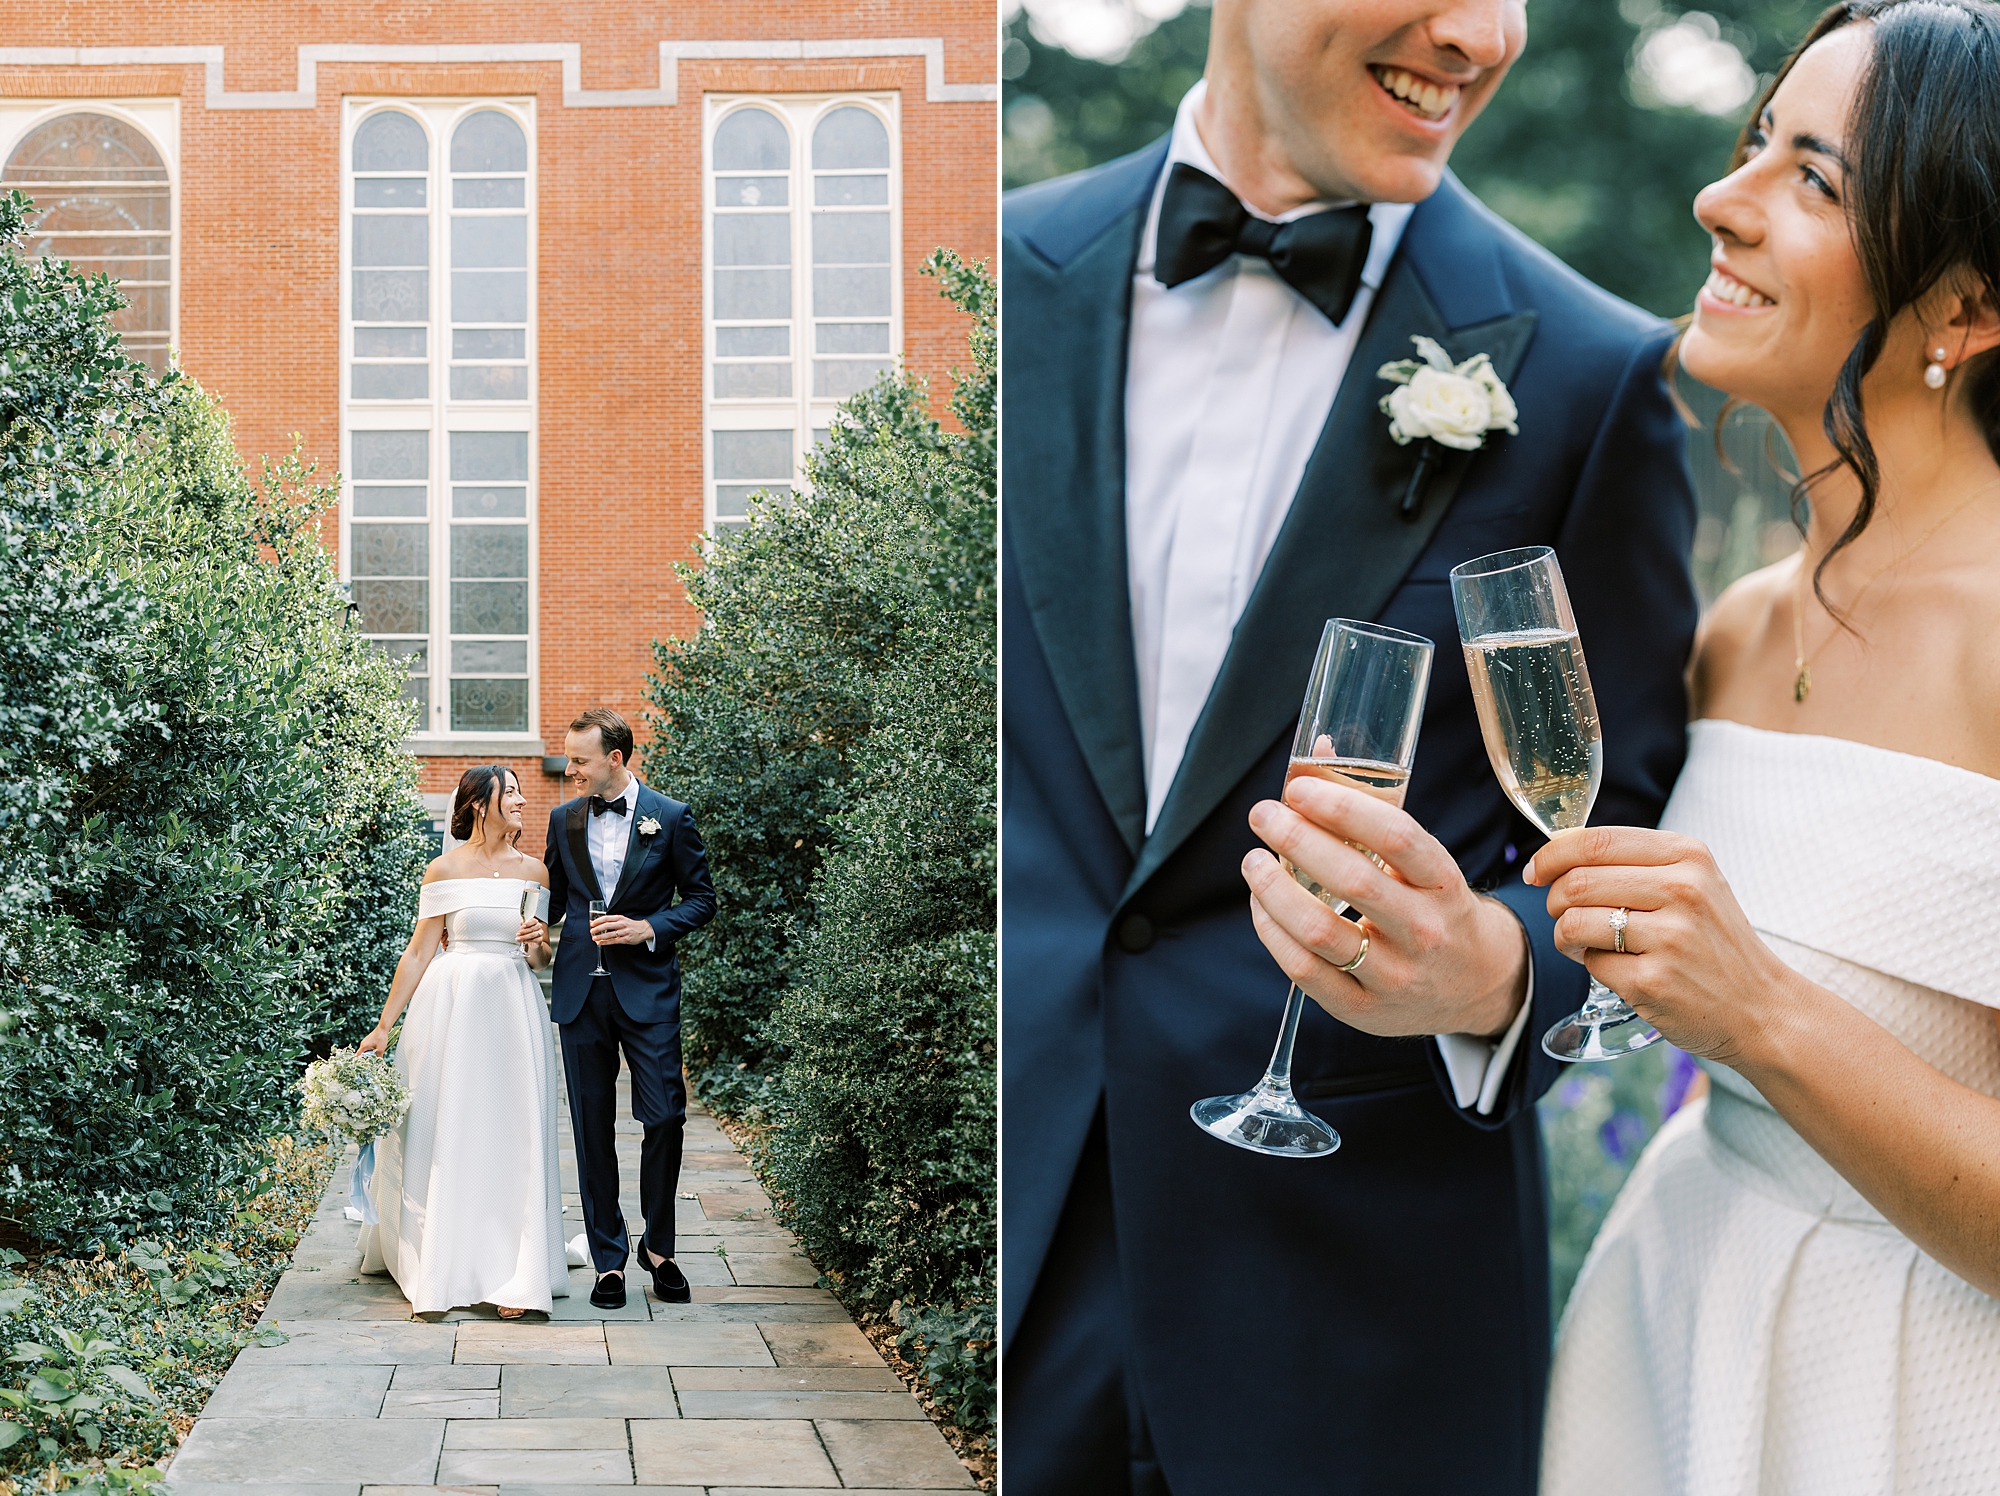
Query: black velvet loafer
609, 1292
670, 1284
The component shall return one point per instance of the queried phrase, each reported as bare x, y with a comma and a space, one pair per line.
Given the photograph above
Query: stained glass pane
840, 192
489, 241
85, 148
489, 706
753, 381
391, 381
489, 296
388, 503
392, 239
850, 136
754, 454
752, 192
489, 551
414, 653
489, 607
837, 378
753, 342
98, 210
389, 342
851, 293
390, 550
489, 656
752, 140
489, 141
754, 239
732, 500
392, 454
489, 503
489, 382
391, 141
850, 238
489, 342
762, 295
393, 607
391, 192
489, 192
392, 295
489, 456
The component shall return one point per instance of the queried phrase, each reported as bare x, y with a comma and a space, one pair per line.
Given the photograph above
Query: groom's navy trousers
1180, 1315
635, 1009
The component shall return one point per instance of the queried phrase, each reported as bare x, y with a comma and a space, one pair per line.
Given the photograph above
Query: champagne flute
1539, 719
1364, 704
597, 908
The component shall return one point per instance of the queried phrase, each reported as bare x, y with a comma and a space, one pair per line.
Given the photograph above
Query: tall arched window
103, 202
795, 181
391, 304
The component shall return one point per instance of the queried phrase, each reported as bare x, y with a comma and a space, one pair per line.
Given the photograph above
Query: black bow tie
599, 805
1202, 224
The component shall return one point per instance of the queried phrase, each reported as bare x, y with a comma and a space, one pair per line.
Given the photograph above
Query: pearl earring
1934, 374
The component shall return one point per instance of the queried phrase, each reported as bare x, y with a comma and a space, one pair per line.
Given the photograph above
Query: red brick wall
620, 254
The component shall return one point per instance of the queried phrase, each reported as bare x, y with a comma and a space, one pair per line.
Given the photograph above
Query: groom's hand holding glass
616, 929
1441, 958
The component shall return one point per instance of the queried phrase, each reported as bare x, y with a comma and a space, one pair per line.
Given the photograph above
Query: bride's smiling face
509, 803
1786, 298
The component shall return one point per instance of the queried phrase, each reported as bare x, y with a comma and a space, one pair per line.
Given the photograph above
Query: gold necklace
1802, 682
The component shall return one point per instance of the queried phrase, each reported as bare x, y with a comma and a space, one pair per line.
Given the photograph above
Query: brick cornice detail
569, 54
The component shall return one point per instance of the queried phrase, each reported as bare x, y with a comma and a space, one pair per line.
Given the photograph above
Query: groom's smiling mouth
1423, 98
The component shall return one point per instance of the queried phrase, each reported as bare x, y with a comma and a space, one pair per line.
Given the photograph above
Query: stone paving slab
762, 1386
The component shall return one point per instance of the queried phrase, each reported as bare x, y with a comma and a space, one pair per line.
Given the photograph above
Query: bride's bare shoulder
444, 867
1735, 624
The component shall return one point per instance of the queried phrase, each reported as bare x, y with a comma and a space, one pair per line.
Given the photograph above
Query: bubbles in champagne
1539, 720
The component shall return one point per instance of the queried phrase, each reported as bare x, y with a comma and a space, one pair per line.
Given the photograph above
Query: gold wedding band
1619, 919
1359, 956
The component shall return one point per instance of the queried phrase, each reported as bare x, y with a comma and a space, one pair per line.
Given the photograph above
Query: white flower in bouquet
358, 1095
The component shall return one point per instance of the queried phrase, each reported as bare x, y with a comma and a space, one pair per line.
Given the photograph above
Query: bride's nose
1729, 210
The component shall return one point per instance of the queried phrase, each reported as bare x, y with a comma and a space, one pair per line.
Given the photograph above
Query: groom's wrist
1500, 1005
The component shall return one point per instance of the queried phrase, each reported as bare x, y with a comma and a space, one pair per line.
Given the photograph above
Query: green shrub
835, 721
211, 839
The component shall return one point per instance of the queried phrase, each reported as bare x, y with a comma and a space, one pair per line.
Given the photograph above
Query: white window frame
801, 411
439, 414
159, 120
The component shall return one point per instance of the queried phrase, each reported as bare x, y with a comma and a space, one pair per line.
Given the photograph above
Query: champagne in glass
1539, 719
598, 907
1364, 704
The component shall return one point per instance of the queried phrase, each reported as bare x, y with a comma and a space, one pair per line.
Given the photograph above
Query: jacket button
1135, 934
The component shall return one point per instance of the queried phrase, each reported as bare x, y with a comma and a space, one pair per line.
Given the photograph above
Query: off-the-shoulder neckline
1819, 737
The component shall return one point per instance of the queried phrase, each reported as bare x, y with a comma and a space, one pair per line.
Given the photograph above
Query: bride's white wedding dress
1746, 1322
468, 1189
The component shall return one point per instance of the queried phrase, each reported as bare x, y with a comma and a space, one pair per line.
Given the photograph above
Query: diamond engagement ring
1359, 956
1620, 918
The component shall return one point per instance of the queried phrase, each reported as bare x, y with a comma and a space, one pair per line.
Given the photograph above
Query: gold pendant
1802, 687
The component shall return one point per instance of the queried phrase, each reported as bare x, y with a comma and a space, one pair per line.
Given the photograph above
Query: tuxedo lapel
1345, 545
637, 850
577, 825
1069, 289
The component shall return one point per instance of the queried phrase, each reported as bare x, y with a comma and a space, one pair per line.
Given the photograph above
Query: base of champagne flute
1268, 1120
1610, 1033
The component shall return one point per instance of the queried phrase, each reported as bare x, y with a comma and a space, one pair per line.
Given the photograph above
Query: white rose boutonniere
1451, 405
650, 826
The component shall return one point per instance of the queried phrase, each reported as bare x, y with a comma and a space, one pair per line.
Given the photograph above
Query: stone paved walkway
762, 1385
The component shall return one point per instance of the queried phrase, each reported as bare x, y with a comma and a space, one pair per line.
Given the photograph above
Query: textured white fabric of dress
1746, 1322
469, 1187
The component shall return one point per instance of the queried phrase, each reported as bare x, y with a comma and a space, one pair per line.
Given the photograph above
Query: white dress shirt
1229, 381
609, 835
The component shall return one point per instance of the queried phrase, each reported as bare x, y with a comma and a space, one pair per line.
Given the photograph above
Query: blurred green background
1616, 115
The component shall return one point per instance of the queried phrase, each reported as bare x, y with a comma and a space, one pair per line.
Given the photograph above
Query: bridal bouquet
360, 1095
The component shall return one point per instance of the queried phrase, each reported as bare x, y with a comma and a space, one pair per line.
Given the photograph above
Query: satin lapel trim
637, 851
1064, 481
1343, 552
579, 847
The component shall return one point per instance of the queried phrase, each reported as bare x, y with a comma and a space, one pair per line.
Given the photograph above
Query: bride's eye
1813, 176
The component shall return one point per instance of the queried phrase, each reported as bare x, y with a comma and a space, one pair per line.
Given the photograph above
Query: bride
1796, 1291
468, 1188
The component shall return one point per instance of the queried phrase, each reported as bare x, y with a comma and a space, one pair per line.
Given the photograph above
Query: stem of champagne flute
1278, 1074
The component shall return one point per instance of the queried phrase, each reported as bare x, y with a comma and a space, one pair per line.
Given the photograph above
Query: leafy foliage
835, 722
209, 835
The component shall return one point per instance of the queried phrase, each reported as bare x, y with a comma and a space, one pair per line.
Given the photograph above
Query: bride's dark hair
474, 794
1923, 201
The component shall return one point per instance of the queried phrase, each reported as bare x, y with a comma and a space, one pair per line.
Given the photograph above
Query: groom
1197, 475
639, 853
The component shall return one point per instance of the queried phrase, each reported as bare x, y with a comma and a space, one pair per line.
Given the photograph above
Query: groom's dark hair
611, 729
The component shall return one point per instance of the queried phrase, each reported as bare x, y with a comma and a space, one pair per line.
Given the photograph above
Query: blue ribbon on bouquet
358, 1193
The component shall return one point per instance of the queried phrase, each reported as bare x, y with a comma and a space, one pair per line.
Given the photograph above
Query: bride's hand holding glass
1441, 958
1692, 964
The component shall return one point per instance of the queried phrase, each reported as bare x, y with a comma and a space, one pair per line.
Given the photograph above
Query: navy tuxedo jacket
1377, 1321
664, 882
